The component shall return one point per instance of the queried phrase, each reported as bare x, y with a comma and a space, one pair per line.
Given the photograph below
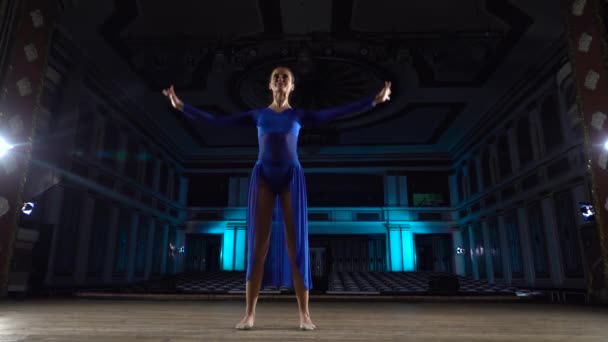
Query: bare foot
246, 323
306, 322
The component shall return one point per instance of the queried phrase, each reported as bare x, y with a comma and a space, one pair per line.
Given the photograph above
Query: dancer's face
281, 80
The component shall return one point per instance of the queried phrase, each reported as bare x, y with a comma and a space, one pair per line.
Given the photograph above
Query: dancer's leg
298, 282
265, 206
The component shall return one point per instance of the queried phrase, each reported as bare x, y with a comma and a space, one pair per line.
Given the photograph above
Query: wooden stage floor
76, 319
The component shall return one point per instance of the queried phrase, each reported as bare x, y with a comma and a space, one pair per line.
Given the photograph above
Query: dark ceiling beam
341, 17
125, 12
518, 21
456, 110
271, 16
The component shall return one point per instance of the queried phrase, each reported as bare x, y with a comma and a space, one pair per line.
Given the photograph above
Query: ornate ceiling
449, 61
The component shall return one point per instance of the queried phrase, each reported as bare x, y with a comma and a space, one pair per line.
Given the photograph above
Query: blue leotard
279, 168
278, 134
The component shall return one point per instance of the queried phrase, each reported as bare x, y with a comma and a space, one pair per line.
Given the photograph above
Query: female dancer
278, 178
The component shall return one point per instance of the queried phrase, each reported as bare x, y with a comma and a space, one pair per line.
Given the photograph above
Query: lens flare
4, 147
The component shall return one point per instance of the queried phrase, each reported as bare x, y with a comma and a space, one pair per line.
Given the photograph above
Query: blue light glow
396, 259
4, 147
407, 240
228, 250
239, 262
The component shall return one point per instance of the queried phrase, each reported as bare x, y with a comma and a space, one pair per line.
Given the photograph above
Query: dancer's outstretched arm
197, 114
325, 115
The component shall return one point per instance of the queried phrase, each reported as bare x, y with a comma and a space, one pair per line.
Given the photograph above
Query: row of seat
340, 283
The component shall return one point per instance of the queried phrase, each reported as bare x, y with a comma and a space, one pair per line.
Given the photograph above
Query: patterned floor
217, 282
368, 283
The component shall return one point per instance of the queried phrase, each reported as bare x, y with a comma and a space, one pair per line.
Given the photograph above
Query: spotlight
27, 208
606, 145
4, 147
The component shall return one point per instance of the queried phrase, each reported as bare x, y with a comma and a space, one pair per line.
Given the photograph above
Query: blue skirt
277, 268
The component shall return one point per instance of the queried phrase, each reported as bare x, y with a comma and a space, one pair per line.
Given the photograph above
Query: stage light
606, 145
27, 208
4, 147
587, 211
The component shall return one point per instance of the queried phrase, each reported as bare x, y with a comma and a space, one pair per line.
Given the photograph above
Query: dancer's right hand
175, 101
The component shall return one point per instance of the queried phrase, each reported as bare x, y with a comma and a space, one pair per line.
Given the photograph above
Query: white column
402, 191
454, 198
133, 233
505, 251
554, 252
494, 174
459, 267
476, 162
84, 239
164, 249
240, 245
390, 190
156, 162
170, 182
526, 247
111, 245
485, 233
537, 138
53, 204
513, 151
180, 240
183, 198
183, 190
466, 189
409, 249
474, 267
149, 246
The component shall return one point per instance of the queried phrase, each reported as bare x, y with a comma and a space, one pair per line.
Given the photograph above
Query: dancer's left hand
384, 94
